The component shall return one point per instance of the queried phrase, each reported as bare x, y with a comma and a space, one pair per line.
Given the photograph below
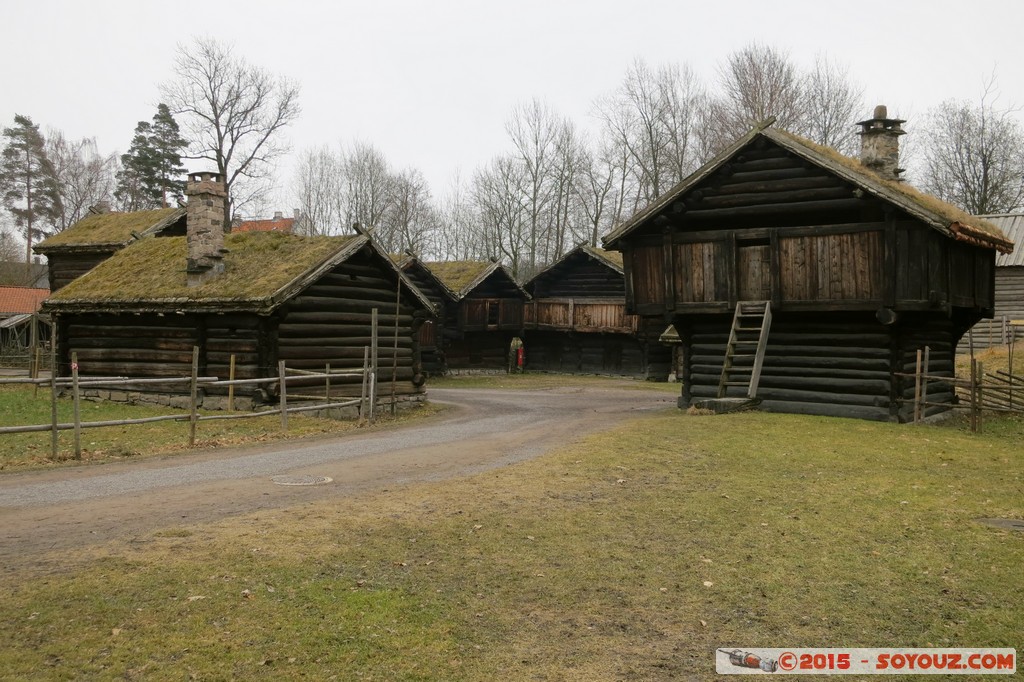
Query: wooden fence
365, 402
1000, 391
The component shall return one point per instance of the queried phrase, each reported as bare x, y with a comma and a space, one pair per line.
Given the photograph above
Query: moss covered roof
459, 276
940, 215
151, 273
612, 258
111, 229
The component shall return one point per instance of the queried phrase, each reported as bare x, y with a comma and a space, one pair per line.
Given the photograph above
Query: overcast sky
432, 82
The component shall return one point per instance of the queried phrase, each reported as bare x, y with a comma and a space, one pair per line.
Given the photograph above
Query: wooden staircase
744, 354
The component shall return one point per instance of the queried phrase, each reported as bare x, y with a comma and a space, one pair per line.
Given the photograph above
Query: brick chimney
880, 144
205, 225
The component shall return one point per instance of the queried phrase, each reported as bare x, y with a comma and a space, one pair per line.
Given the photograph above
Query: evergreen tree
27, 181
151, 170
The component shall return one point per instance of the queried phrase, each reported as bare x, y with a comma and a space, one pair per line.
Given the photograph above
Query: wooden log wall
330, 322
581, 353
579, 276
479, 350
65, 267
824, 364
146, 345
243, 335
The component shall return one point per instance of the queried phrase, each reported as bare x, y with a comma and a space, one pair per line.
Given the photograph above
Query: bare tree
316, 186
534, 130
653, 117
757, 82
410, 217
831, 104
597, 186
499, 191
460, 234
974, 155
234, 114
366, 190
84, 176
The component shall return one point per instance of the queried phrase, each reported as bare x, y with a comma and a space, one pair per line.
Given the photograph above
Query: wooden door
754, 272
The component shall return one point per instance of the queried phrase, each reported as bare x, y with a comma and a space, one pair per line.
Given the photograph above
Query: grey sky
431, 83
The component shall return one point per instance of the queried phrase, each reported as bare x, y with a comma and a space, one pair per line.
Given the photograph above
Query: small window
492, 312
753, 241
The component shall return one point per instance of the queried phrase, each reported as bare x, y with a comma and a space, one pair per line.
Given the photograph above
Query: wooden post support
35, 370
981, 397
193, 416
924, 382
283, 394
916, 390
373, 362
327, 384
394, 357
76, 401
974, 395
366, 383
231, 387
53, 391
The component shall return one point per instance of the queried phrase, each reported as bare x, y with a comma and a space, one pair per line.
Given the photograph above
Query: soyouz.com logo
833, 661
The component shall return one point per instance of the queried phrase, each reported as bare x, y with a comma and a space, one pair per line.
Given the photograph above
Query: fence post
193, 417
37, 360
231, 387
53, 390
917, 388
366, 382
980, 384
924, 382
77, 406
373, 363
327, 384
283, 394
974, 395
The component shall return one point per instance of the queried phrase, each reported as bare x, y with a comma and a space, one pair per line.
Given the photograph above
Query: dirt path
42, 512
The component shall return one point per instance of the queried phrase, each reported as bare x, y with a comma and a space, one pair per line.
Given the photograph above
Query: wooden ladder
747, 341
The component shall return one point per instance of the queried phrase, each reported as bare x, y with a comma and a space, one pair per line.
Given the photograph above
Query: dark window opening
492, 312
753, 241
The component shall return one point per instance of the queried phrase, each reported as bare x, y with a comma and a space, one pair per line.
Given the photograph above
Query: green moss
109, 228
152, 271
459, 274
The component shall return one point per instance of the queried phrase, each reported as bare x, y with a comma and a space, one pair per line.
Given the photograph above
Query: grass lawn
19, 407
630, 556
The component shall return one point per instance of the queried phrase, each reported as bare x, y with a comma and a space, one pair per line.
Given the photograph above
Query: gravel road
47, 511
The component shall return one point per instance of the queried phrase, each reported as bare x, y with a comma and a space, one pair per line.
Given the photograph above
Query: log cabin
576, 320
806, 281
259, 297
101, 234
479, 310
1007, 319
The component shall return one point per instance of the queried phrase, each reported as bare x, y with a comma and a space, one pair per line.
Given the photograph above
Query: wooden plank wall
832, 267
1009, 304
486, 350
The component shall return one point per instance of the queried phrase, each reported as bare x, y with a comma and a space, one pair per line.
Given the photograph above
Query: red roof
271, 225
20, 300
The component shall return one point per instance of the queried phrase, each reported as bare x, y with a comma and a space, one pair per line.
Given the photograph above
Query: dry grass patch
629, 556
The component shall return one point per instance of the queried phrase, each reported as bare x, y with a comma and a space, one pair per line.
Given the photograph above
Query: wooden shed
576, 320
305, 300
1008, 313
100, 235
479, 308
807, 279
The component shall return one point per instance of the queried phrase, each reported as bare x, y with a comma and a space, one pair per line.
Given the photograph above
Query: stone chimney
278, 215
880, 144
205, 220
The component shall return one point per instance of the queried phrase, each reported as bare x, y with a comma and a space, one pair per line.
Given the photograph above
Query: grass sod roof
111, 229
612, 258
460, 276
946, 218
150, 274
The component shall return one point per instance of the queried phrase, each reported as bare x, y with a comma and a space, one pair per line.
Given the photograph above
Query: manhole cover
1007, 524
301, 480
